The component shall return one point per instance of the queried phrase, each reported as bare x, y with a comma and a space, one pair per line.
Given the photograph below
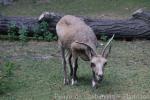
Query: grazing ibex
79, 40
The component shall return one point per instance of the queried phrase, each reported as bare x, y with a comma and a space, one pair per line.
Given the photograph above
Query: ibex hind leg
68, 58
66, 81
74, 48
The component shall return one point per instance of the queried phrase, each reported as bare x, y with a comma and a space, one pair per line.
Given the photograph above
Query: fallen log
6, 2
138, 26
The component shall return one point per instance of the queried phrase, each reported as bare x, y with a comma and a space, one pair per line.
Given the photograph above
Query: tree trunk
136, 27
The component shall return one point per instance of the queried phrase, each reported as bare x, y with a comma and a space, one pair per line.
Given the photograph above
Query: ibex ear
92, 52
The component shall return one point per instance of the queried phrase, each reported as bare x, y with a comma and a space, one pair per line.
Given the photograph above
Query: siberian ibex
77, 39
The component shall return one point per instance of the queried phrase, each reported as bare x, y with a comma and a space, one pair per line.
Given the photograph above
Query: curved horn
93, 51
103, 51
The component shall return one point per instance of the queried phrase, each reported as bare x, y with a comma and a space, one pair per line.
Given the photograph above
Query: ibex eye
92, 65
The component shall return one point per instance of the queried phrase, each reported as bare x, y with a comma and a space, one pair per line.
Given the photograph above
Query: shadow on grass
84, 80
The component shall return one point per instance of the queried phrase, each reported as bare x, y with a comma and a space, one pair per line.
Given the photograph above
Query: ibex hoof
73, 82
66, 81
94, 84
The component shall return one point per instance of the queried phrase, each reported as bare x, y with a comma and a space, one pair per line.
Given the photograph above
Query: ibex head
98, 61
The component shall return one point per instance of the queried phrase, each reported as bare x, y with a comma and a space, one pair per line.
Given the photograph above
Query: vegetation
6, 72
104, 37
12, 31
23, 34
42, 32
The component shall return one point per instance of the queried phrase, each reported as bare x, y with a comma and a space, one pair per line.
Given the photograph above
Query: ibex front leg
66, 81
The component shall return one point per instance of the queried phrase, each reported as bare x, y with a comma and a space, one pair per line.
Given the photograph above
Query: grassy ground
38, 75
98, 8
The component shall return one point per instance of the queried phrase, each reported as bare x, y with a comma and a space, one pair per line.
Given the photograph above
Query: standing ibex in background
79, 40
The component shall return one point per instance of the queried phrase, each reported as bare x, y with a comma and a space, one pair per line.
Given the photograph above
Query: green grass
39, 73
108, 8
